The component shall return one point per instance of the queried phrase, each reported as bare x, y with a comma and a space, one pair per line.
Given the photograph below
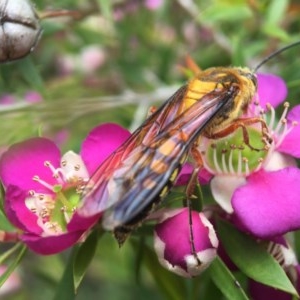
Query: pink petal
271, 89
100, 143
79, 223
269, 204
24, 160
259, 291
51, 244
290, 144
173, 246
17, 212
185, 174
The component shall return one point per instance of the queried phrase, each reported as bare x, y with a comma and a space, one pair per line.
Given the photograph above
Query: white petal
279, 161
73, 167
223, 187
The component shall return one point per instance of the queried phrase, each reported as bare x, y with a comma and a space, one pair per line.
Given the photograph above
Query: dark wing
130, 179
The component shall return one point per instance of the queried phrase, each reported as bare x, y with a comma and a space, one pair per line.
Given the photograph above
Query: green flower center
232, 155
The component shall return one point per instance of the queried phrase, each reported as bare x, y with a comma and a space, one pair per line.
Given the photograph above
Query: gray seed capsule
20, 29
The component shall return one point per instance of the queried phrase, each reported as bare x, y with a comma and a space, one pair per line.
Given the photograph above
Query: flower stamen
215, 159
42, 182
259, 166
246, 166
57, 172
286, 106
224, 166
271, 111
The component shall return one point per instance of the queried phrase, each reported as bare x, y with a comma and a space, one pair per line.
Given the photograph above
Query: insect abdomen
122, 232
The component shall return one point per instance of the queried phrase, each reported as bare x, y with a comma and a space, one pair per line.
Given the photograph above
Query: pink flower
173, 245
153, 4
90, 59
33, 97
185, 174
260, 188
29, 97
41, 186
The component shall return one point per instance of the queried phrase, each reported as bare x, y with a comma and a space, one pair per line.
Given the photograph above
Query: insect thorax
226, 78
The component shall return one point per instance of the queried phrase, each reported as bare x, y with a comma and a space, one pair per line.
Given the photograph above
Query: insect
134, 179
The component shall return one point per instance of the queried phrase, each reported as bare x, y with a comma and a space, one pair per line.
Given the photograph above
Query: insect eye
252, 77
254, 80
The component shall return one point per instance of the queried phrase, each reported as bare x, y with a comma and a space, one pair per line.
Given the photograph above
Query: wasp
135, 178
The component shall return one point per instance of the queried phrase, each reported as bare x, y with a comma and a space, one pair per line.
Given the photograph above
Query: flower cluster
256, 187
257, 190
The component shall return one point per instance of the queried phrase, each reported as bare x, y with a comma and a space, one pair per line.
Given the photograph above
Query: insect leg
242, 123
152, 109
189, 196
192, 65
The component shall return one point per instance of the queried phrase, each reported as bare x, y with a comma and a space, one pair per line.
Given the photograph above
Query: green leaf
139, 250
276, 11
253, 259
225, 281
226, 12
31, 74
65, 289
197, 203
106, 8
4, 223
76, 267
8, 253
238, 57
275, 31
83, 258
171, 285
14, 264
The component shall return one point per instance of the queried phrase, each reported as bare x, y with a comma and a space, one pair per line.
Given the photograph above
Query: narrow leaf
171, 285
14, 264
276, 11
83, 258
4, 223
225, 281
65, 289
253, 259
8, 253
31, 74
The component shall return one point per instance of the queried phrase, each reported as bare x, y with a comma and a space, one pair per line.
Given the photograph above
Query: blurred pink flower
12, 284
153, 4
33, 97
89, 60
92, 58
30, 97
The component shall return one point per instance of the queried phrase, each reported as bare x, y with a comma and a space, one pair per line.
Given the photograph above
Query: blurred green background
112, 60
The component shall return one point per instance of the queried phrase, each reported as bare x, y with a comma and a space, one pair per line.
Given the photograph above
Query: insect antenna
275, 54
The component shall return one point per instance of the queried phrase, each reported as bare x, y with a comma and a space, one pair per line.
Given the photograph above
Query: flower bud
173, 244
20, 29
